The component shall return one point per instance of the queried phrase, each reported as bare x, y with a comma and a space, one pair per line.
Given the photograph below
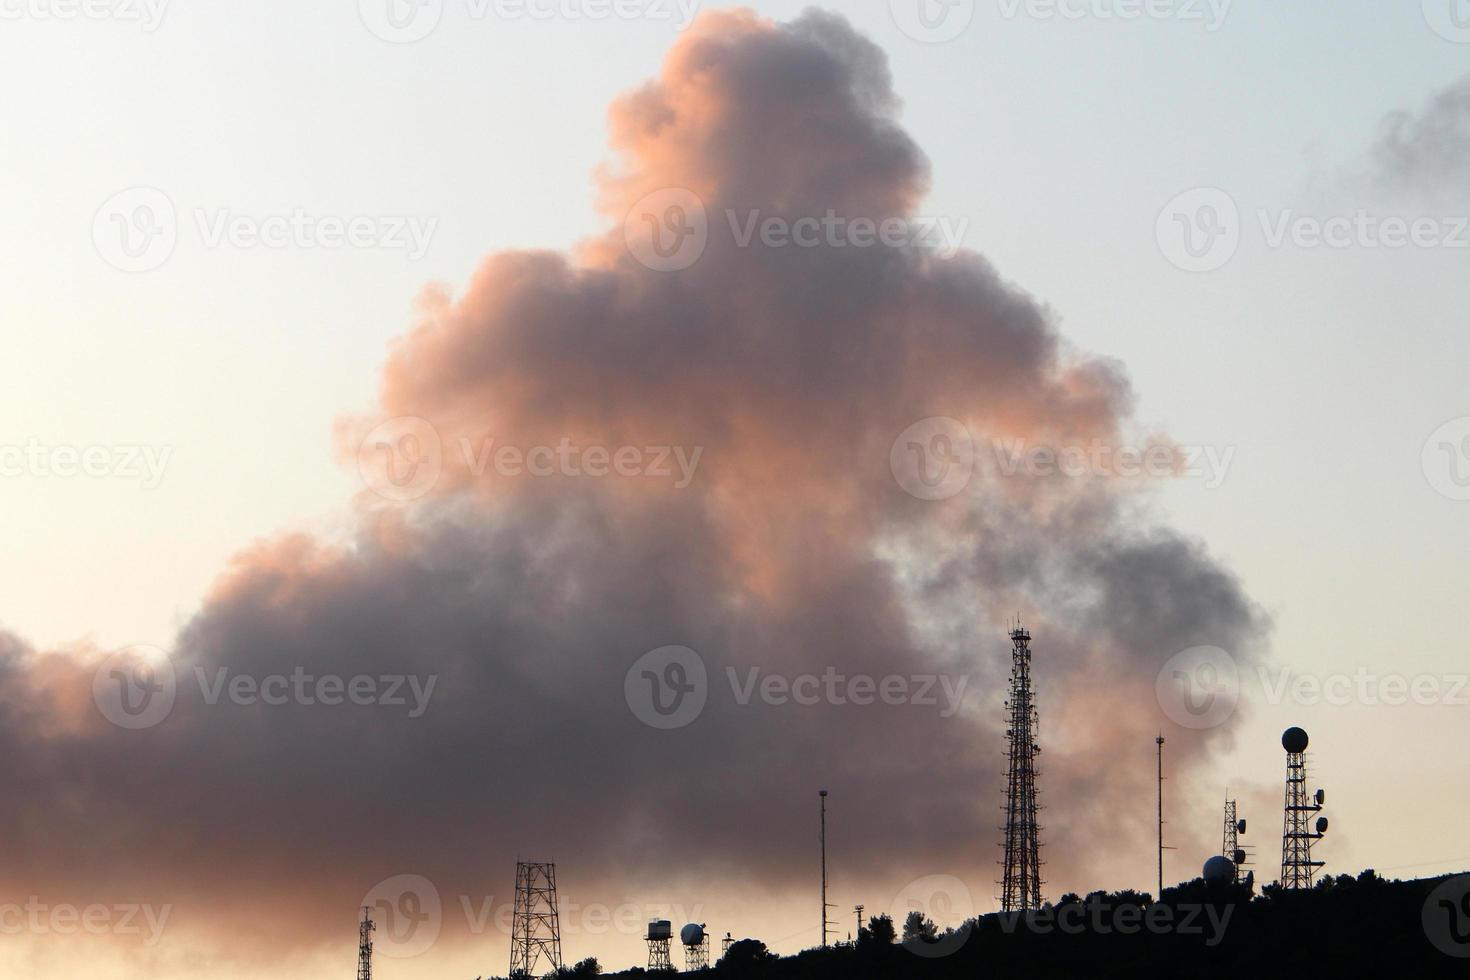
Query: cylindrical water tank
660, 929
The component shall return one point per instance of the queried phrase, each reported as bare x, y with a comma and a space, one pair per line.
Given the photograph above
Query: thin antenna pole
823, 836
1160, 741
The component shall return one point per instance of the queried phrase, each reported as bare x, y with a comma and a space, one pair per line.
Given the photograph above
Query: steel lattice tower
1231, 842
365, 945
1297, 866
696, 957
535, 929
1021, 886
658, 947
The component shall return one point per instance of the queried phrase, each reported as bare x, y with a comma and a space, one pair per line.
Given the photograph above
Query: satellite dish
1239, 856
1294, 740
1219, 871
1240, 826
1321, 825
1321, 796
692, 934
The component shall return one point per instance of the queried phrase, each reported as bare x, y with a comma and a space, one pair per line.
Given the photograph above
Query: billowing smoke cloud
791, 535
1427, 151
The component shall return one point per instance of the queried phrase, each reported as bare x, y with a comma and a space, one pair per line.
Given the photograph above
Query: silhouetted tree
584, 970
919, 929
880, 930
746, 956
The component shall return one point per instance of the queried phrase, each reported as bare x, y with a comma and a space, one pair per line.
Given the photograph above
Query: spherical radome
1219, 870
1294, 740
692, 934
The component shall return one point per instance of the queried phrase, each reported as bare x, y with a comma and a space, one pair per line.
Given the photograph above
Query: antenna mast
535, 927
1160, 742
365, 945
1021, 884
826, 907
1297, 837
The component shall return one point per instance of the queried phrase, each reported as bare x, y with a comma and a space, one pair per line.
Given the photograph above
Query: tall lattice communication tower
365, 945
1021, 884
1230, 845
535, 933
1231, 842
1297, 833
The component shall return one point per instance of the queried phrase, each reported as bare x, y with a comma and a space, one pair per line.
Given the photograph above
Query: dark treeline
1344, 927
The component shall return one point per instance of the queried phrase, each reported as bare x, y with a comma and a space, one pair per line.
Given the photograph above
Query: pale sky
1320, 371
